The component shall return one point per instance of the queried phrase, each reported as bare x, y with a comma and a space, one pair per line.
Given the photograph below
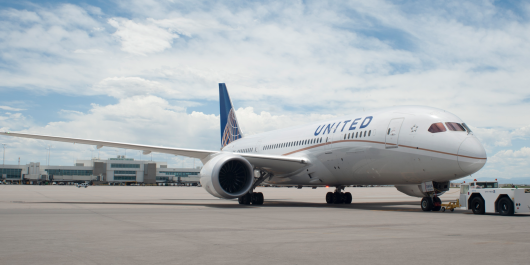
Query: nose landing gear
431, 204
338, 197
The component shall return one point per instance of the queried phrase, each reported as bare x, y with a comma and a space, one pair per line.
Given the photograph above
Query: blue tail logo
230, 130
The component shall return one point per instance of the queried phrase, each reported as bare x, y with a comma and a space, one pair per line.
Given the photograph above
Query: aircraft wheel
347, 198
261, 198
329, 197
337, 198
505, 207
245, 199
477, 205
437, 204
257, 198
426, 204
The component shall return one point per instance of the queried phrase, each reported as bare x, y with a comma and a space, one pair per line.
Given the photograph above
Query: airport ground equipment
81, 185
451, 206
486, 197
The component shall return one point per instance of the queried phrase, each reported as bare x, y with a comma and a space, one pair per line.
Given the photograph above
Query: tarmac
186, 225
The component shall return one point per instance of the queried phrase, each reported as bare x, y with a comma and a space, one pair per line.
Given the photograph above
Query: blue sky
147, 71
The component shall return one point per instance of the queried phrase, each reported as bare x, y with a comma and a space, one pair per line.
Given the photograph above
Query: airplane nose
471, 155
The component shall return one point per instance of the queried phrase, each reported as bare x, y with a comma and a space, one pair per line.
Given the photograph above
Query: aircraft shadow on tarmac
406, 206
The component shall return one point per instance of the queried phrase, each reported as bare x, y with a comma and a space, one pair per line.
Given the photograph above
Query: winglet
230, 130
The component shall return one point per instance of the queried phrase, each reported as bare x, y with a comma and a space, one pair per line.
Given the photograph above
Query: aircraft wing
275, 164
146, 148
278, 165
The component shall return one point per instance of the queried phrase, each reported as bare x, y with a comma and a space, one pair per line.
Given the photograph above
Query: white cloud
507, 164
139, 119
122, 87
523, 132
254, 123
88, 51
141, 39
10, 108
289, 61
22, 15
500, 137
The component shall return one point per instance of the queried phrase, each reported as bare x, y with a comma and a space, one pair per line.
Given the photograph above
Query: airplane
417, 149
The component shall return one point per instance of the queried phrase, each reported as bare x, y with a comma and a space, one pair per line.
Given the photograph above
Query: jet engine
227, 176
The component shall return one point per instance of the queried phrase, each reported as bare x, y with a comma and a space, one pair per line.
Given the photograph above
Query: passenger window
344, 136
369, 132
453, 126
437, 127
321, 139
388, 131
349, 135
364, 133
356, 134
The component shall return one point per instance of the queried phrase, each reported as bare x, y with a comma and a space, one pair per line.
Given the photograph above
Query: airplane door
329, 143
392, 133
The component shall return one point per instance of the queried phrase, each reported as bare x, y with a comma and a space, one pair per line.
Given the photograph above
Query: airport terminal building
119, 170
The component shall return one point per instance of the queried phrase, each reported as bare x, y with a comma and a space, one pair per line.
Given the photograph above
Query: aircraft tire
436, 200
505, 207
426, 204
337, 198
329, 197
245, 199
347, 198
477, 205
257, 198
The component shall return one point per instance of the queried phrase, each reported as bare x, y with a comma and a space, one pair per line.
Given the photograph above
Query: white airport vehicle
406, 146
486, 197
82, 185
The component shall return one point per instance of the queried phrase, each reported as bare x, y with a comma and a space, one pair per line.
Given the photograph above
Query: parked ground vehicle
81, 185
486, 197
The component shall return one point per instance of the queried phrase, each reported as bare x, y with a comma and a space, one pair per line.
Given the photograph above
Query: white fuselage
393, 147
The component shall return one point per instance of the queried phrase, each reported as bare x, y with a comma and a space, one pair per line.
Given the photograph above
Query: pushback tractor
486, 197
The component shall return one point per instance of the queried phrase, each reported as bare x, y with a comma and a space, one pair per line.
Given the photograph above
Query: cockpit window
467, 127
453, 126
437, 127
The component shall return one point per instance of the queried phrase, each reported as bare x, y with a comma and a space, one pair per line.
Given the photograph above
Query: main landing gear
431, 204
338, 197
254, 198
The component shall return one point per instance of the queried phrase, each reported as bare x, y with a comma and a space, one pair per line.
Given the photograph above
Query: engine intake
227, 176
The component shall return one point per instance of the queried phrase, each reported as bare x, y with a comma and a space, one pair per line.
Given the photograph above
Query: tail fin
230, 130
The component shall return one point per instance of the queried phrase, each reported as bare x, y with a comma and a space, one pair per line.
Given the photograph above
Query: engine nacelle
227, 176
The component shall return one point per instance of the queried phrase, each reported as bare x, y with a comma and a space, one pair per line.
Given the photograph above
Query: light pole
4, 156
49, 147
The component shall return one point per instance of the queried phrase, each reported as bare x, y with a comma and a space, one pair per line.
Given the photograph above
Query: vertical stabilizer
230, 130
